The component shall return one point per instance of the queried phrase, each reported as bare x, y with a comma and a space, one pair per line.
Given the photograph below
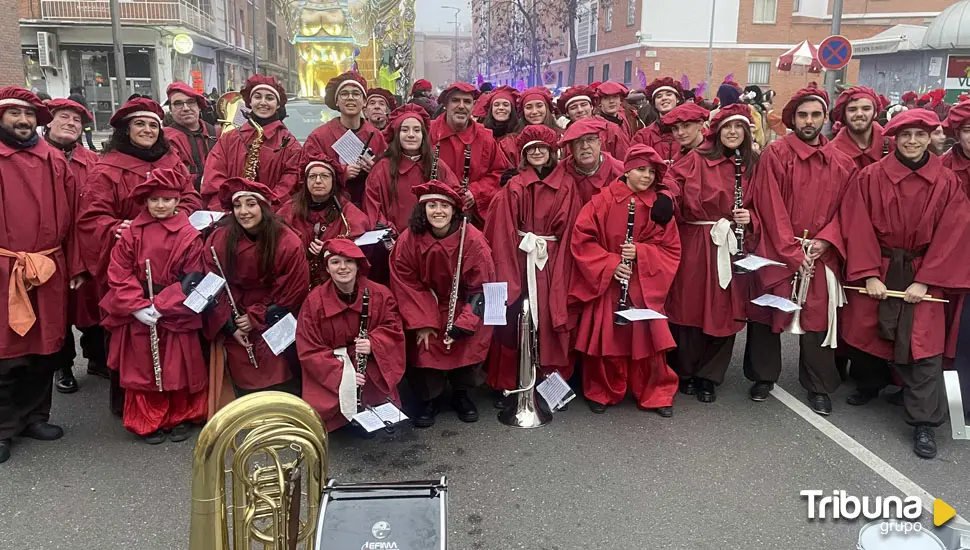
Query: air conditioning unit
47, 52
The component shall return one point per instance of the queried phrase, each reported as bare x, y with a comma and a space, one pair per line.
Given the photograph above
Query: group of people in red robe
582, 222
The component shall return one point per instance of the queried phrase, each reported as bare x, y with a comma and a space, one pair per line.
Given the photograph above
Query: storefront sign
183, 43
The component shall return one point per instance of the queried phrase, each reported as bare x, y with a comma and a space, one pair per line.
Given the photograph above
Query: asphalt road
725, 475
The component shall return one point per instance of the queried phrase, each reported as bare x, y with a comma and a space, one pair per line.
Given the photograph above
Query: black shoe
500, 401
181, 432
465, 407
688, 386
154, 438
97, 369
5, 445
597, 408
43, 431
820, 402
924, 442
66, 383
896, 398
426, 414
842, 365
665, 412
705, 391
861, 397
760, 391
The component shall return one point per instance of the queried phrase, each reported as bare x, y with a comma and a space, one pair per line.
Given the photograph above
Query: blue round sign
835, 52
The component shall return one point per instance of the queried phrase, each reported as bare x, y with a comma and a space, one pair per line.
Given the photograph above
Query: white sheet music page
279, 336
201, 219
348, 147
496, 297
374, 418
555, 391
752, 262
208, 288
777, 302
371, 237
635, 314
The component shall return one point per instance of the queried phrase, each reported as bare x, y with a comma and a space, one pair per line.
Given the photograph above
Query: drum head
893, 535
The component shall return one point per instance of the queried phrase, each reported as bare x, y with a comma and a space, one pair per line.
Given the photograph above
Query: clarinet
466, 171
434, 162
362, 333
738, 204
153, 330
625, 285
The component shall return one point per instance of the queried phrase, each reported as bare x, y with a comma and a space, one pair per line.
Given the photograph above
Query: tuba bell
527, 412
246, 445
226, 109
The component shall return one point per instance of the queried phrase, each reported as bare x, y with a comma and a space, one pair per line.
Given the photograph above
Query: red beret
347, 249
136, 108
643, 155
463, 87
808, 93
55, 105
852, 94
341, 81
233, 188
15, 96
481, 105
924, 119
685, 112
573, 94
386, 95
586, 126
436, 190
611, 88
161, 182
538, 93
399, 115
908, 97
421, 85
537, 134
666, 83
738, 111
958, 116
505, 92
183, 88
265, 83
326, 159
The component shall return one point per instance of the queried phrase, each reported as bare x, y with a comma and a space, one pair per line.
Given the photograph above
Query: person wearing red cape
529, 228
279, 154
707, 301
345, 93
535, 106
585, 161
665, 95
39, 264
266, 270
468, 149
188, 134
377, 105
798, 187
319, 211
577, 104
328, 342
502, 118
63, 133
162, 237
687, 123
906, 221
610, 104
423, 266
633, 356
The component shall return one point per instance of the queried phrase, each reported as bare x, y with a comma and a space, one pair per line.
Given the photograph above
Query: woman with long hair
319, 211
501, 117
534, 107
423, 267
528, 228
266, 270
706, 304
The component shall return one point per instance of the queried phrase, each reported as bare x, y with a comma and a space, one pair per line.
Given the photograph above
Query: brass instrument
153, 330
455, 281
625, 285
527, 412
800, 284
226, 108
251, 170
340, 212
232, 305
360, 358
434, 162
738, 204
254, 434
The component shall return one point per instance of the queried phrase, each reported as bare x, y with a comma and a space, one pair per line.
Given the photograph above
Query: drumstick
898, 294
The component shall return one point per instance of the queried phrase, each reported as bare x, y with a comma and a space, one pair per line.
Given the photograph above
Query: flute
898, 294
232, 305
453, 298
153, 330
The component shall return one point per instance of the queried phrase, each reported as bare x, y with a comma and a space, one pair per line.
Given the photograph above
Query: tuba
226, 109
245, 444
527, 412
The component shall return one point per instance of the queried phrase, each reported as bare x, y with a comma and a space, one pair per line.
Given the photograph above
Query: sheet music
348, 147
777, 302
754, 263
555, 391
496, 298
640, 314
374, 418
371, 237
201, 219
279, 336
208, 288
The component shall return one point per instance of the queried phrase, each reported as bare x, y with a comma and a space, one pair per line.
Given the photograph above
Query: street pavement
719, 476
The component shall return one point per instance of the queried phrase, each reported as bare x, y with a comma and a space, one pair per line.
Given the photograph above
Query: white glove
148, 315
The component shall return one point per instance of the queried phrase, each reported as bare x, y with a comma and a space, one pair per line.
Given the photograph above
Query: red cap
611, 88
386, 95
15, 96
55, 105
591, 125
347, 249
809, 93
137, 108
643, 155
183, 88
738, 111
540, 93
399, 115
463, 87
325, 159
685, 112
421, 85
436, 190
481, 105
161, 182
908, 97
575, 93
852, 94
264, 83
537, 134
923, 119
958, 116
666, 83
234, 188
341, 81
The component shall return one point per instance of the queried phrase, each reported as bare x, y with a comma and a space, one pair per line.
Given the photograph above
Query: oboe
625, 284
453, 298
232, 304
361, 334
738, 204
153, 330
316, 277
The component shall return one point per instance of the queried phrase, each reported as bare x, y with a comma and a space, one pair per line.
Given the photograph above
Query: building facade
434, 57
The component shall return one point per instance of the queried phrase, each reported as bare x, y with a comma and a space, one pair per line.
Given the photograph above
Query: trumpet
153, 330
232, 305
625, 285
455, 281
800, 284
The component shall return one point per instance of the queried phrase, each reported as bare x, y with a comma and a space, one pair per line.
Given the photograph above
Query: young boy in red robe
163, 401
577, 104
633, 356
665, 95
328, 342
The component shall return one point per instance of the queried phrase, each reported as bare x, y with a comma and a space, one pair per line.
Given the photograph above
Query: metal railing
179, 12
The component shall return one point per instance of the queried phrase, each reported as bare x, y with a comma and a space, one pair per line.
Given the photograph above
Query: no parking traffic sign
835, 52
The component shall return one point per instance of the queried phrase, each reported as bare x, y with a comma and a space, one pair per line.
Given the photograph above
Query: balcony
179, 13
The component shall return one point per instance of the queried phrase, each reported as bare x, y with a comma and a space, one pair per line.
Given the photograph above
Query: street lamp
455, 56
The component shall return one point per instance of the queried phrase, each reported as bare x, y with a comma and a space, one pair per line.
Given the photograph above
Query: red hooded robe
83, 309
382, 206
322, 139
487, 160
588, 186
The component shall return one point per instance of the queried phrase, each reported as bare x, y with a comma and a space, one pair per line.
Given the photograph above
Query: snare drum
897, 537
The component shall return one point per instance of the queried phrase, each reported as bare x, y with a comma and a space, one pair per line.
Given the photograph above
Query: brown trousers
923, 397
816, 365
700, 355
25, 392
429, 384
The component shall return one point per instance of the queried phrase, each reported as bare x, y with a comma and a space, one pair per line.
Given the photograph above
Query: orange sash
29, 270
